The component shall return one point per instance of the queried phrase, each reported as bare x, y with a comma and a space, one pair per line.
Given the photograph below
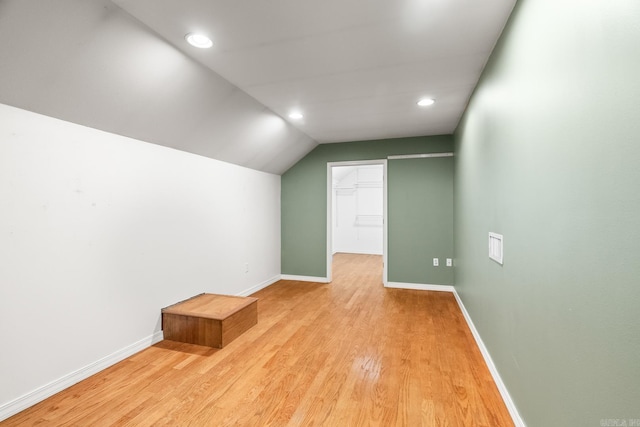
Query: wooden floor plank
349, 353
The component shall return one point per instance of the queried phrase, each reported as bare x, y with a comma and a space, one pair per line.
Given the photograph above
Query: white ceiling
355, 68
91, 63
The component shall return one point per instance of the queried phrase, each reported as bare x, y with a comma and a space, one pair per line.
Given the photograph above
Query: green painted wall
548, 154
304, 207
420, 211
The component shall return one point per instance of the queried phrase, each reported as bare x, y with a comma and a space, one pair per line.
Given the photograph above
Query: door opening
357, 210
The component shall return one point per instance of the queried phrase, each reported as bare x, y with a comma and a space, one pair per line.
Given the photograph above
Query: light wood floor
349, 353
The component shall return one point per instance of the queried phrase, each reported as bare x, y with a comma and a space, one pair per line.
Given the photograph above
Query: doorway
357, 210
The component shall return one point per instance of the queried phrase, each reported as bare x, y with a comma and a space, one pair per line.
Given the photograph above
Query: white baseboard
502, 388
305, 278
420, 286
259, 286
23, 402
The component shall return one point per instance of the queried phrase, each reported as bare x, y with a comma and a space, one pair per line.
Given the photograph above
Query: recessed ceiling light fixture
296, 115
424, 102
198, 40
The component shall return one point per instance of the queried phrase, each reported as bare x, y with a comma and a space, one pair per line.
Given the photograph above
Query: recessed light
198, 40
424, 102
296, 115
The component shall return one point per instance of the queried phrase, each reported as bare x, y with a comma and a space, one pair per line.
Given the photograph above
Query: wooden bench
209, 319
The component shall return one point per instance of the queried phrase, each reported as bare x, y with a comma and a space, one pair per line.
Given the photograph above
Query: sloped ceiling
355, 68
91, 63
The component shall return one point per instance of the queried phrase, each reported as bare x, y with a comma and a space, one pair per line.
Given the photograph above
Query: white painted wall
98, 232
358, 209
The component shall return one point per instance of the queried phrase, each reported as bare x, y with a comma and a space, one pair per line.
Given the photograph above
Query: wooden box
209, 319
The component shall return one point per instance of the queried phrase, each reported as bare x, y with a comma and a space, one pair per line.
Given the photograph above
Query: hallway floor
349, 353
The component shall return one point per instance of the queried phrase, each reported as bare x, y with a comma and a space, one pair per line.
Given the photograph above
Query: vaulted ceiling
354, 68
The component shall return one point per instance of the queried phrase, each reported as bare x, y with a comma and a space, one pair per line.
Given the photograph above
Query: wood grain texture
211, 306
349, 353
192, 330
209, 319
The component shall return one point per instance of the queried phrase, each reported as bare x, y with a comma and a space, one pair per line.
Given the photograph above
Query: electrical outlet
449, 262
246, 267
436, 262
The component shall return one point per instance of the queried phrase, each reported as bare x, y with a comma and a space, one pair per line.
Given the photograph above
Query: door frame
330, 166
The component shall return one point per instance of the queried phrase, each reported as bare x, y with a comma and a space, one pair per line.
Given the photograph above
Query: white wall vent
495, 247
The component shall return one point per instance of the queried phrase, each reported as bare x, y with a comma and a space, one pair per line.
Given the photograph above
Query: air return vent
495, 247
